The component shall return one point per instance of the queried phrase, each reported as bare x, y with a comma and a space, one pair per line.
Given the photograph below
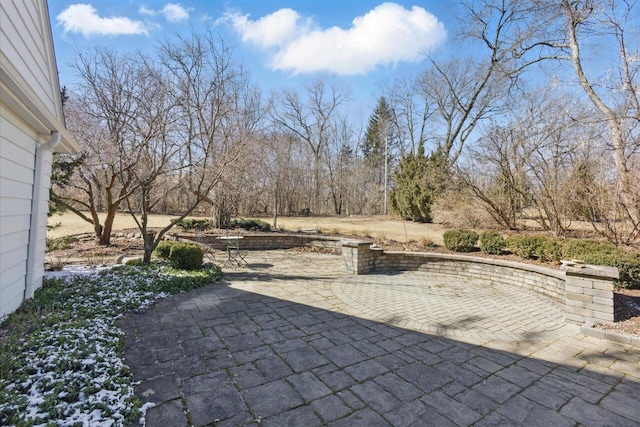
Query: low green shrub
460, 240
186, 256
492, 242
250, 224
590, 251
163, 250
526, 247
190, 224
60, 243
551, 250
604, 253
576, 248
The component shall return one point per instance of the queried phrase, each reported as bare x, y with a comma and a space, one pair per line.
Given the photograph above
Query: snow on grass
61, 363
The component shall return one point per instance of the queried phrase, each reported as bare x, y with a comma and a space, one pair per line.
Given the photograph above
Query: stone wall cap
599, 271
482, 260
354, 243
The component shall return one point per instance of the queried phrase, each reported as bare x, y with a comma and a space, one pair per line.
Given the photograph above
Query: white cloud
386, 35
144, 11
84, 19
172, 12
271, 30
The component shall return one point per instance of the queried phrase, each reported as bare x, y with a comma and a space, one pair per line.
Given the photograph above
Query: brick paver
291, 341
439, 304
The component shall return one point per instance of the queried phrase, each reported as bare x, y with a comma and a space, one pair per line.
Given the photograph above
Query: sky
359, 44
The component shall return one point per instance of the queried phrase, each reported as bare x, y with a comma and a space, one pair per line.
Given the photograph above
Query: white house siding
23, 32
17, 151
30, 114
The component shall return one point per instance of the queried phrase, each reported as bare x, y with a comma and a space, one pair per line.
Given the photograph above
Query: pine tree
419, 178
379, 132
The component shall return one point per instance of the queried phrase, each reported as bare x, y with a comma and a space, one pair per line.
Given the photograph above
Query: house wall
17, 154
24, 30
30, 113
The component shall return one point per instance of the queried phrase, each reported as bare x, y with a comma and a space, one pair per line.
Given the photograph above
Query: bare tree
339, 160
615, 96
412, 109
527, 160
176, 121
201, 114
98, 115
311, 118
468, 91
464, 93
495, 175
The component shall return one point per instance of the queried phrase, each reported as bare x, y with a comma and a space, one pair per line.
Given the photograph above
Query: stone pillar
589, 294
356, 256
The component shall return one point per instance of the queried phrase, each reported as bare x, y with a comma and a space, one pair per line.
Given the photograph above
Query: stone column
356, 256
589, 294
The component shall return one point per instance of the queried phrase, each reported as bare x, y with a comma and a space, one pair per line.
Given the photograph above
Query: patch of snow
71, 270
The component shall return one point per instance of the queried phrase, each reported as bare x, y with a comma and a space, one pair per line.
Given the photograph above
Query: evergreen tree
379, 131
419, 178
62, 168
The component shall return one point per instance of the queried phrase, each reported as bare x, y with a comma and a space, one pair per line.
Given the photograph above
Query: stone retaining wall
268, 241
586, 292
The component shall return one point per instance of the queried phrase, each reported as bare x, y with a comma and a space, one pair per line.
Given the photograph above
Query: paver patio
292, 341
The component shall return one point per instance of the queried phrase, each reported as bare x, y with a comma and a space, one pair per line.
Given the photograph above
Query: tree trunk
105, 236
275, 207
628, 196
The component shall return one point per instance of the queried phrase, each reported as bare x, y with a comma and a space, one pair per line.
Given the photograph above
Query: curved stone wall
585, 292
543, 280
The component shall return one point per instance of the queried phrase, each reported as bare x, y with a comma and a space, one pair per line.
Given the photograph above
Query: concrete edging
612, 336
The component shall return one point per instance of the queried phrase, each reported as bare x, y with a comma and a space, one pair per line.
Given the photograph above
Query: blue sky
359, 44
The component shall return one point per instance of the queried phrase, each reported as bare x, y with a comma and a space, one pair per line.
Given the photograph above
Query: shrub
526, 247
577, 248
492, 243
551, 250
190, 224
186, 256
426, 242
605, 253
460, 240
250, 224
60, 243
590, 251
413, 195
163, 250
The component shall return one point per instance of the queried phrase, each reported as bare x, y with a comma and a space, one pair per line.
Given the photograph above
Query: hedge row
590, 251
191, 224
250, 224
551, 250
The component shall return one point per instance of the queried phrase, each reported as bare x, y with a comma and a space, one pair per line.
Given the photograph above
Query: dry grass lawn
371, 226
71, 224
